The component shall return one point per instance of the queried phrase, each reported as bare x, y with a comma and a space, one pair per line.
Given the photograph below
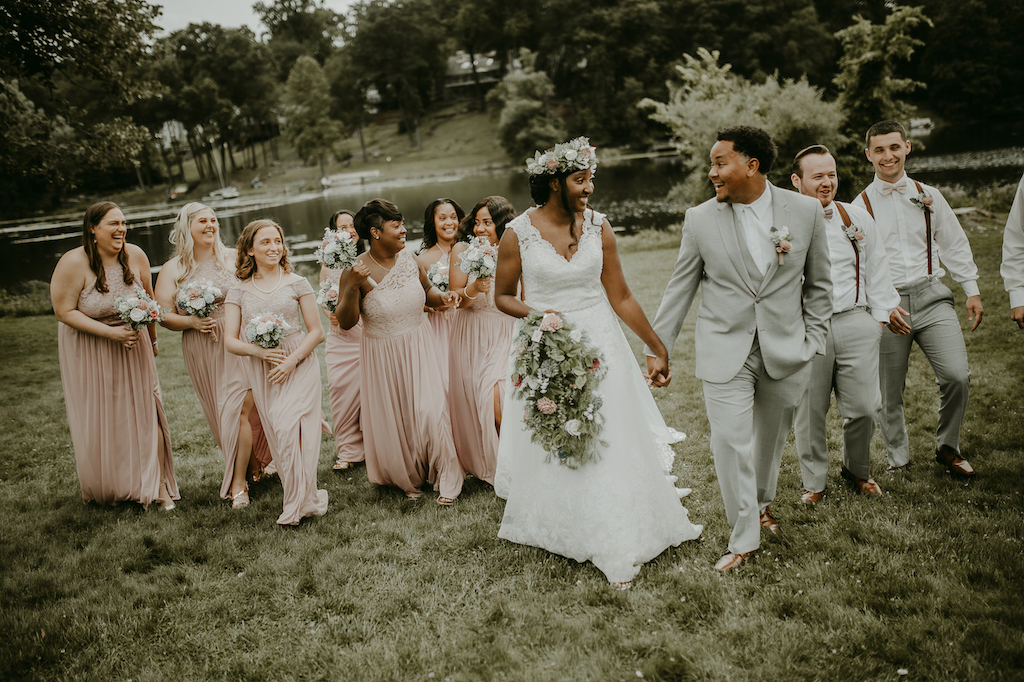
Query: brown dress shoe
951, 458
868, 487
730, 561
812, 498
768, 521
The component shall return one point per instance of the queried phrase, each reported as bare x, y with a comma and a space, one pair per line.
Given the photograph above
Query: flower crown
574, 155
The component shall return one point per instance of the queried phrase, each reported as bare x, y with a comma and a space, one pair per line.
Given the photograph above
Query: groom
764, 303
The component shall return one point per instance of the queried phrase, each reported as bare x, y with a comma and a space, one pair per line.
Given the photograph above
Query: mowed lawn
923, 584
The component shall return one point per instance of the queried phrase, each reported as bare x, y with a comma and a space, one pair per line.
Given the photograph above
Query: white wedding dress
621, 510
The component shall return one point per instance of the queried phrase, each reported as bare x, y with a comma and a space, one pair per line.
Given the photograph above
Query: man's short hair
752, 142
884, 128
813, 149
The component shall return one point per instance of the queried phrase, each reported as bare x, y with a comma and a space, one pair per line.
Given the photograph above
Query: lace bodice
100, 306
553, 283
207, 271
395, 306
284, 303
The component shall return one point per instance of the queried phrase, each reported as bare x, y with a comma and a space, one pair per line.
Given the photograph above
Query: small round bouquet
198, 299
328, 294
438, 276
556, 373
337, 250
138, 310
267, 330
480, 259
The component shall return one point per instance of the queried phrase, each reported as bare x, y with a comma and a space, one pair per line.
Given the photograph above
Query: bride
620, 510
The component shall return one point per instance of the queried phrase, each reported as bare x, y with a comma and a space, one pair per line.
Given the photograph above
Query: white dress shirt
1012, 268
876, 288
901, 226
755, 219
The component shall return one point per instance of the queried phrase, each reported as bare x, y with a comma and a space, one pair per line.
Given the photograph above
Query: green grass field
927, 580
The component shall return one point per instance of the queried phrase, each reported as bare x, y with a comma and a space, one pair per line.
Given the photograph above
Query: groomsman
1012, 268
759, 257
920, 229
862, 299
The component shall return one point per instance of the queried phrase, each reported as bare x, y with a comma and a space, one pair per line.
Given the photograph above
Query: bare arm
314, 336
68, 281
506, 278
350, 294
167, 292
435, 297
458, 281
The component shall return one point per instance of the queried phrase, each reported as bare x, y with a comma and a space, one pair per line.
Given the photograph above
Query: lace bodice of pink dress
284, 303
100, 306
208, 272
395, 306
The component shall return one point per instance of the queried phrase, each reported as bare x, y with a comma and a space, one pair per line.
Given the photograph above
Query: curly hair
93, 217
245, 264
501, 211
375, 213
753, 143
184, 246
430, 228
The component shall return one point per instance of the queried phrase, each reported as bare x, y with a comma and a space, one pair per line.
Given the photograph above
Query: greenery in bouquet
198, 299
138, 310
267, 330
328, 294
337, 249
438, 276
480, 259
556, 373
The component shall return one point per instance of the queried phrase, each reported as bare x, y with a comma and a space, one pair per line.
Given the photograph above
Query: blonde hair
184, 246
245, 265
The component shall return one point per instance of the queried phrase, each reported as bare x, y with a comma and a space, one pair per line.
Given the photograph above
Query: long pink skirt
221, 383
478, 361
290, 413
343, 380
407, 430
439, 324
116, 418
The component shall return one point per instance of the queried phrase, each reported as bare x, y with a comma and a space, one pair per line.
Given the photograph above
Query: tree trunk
138, 174
481, 100
231, 155
223, 165
263, 145
196, 157
323, 173
362, 143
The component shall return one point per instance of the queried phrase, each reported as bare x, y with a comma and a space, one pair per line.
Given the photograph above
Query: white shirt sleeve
954, 249
882, 296
1012, 268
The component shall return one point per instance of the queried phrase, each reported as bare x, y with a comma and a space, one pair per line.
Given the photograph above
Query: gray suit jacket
790, 330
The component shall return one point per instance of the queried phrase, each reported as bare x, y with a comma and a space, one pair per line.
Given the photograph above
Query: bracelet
154, 341
468, 297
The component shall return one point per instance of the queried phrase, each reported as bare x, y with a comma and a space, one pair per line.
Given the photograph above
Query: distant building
458, 79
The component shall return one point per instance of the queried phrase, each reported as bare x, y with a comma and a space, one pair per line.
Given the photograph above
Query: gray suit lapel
731, 237
780, 218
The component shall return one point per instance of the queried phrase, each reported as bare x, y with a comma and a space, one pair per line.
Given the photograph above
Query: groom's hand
658, 372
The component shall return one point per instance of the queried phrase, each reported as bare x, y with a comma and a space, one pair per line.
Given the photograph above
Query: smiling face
446, 223
735, 176
347, 223
203, 228
819, 178
110, 231
579, 186
888, 154
392, 236
267, 247
483, 226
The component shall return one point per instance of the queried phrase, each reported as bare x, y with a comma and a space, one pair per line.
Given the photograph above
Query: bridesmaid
407, 431
479, 348
285, 380
117, 421
343, 377
440, 231
217, 375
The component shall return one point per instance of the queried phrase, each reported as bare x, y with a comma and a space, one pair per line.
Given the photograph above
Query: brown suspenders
927, 221
853, 242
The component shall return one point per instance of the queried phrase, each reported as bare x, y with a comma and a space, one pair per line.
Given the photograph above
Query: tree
299, 27
527, 121
706, 97
310, 127
348, 95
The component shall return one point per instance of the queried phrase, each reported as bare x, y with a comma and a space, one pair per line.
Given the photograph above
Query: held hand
897, 323
484, 285
206, 325
1017, 315
974, 311
124, 335
281, 371
275, 356
358, 274
450, 299
658, 372
333, 318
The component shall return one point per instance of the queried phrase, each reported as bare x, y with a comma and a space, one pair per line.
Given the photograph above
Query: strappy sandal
446, 501
240, 499
623, 585
342, 465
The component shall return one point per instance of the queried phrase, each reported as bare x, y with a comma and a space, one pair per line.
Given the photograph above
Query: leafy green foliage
526, 122
309, 126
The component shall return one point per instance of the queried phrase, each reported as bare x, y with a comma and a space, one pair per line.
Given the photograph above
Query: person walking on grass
919, 230
862, 298
1012, 268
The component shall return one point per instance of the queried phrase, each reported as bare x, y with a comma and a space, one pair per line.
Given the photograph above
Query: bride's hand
658, 372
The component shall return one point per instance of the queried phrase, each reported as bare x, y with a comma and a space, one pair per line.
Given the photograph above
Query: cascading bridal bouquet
556, 373
438, 276
328, 294
267, 330
480, 259
199, 300
337, 250
138, 310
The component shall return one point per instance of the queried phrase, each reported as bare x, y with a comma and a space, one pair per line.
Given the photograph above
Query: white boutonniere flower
780, 237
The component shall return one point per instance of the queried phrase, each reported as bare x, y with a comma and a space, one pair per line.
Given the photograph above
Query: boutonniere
780, 237
854, 235
924, 202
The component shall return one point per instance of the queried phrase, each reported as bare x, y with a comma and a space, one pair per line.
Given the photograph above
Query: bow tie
828, 213
888, 187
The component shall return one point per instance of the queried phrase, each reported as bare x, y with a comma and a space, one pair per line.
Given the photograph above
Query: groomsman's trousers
850, 366
936, 330
750, 416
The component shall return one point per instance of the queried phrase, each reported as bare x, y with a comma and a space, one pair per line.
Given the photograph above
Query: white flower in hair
574, 155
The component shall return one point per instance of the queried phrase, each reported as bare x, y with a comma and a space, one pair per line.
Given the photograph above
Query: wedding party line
496, 350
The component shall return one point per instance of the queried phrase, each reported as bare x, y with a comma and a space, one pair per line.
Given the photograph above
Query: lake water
631, 192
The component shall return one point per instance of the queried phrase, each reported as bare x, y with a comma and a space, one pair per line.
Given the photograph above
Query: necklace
280, 276
378, 264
